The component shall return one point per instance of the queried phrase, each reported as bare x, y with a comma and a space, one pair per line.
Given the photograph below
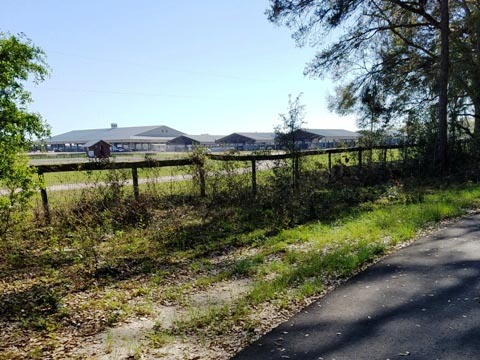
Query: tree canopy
20, 62
395, 59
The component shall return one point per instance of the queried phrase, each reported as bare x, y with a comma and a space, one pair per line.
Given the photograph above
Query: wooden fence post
43, 193
360, 158
201, 174
254, 178
296, 174
329, 162
135, 183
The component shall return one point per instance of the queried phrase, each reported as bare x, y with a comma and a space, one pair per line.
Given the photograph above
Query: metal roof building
333, 133
306, 138
129, 138
326, 138
186, 142
204, 139
248, 140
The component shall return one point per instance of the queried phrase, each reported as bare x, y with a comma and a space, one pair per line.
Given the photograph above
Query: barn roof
339, 133
201, 139
116, 134
252, 136
94, 142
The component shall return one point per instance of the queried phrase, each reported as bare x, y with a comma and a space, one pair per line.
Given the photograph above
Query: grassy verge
302, 262
109, 260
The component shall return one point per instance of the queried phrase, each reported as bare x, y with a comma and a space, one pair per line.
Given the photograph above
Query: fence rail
106, 165
302, 153
152, 163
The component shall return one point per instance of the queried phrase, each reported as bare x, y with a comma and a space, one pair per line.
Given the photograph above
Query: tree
374, 35
286, 134
20, 61
465, 62
444, 27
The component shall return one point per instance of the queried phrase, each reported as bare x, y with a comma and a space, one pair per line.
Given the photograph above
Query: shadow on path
422, 302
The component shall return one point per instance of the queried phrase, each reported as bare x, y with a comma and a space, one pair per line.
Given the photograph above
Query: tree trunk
443, 88
476, 127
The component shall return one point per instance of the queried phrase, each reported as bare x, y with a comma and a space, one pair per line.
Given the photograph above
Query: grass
160, 338
108, 342
326, 252
107, 259
65, 198
248, 266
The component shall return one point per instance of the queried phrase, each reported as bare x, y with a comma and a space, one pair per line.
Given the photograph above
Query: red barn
97, 149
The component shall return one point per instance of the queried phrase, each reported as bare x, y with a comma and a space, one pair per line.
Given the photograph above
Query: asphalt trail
420, 303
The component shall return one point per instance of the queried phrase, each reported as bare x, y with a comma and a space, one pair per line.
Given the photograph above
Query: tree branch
409, 6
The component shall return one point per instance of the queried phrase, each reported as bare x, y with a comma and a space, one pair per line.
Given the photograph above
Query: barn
248, 140
327, 138
135, 138
97, 149
187, 142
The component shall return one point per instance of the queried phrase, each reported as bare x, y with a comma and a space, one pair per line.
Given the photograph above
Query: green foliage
18, 185
393, 60
286, 135
290, 124
198, 156
247, 266
227, 180
20, 61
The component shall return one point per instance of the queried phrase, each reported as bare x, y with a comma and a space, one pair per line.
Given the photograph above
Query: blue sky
212, 66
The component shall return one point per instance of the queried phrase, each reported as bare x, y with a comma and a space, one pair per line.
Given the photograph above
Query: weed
310, 287
160, 337
108, 342
217, 319
143, 309
36, 353
41, 323
135, 351
158, 278
177, 294
205, 281
247, 266
141, 291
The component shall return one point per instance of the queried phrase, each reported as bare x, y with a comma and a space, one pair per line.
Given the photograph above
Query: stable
327, 138
248, 141
97, 149
187, 142
134, 138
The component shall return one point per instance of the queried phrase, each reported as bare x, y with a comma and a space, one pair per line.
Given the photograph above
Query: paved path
420, 303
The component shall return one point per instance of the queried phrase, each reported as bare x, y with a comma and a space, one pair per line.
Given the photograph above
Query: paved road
420, 303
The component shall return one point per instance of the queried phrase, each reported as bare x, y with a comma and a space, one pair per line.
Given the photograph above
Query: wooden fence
252, 158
